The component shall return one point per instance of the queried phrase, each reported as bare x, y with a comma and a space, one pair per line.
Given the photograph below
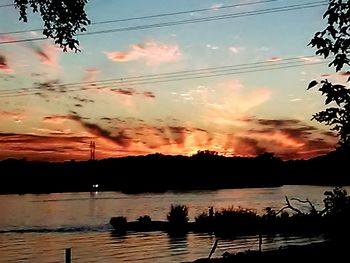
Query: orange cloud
37, 147
17, 117
56, 119
151, 52
288, 138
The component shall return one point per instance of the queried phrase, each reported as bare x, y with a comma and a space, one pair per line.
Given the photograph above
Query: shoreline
322, 252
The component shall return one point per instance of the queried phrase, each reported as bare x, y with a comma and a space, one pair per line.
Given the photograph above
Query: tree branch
307, 201
289, 206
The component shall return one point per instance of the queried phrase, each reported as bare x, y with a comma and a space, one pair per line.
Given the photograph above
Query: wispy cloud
47, 53
233, 49
56, 119
149, 94
129, 92
4, 66
90, 74
152, 53
216, 6
213, 47
46, 131
310, 59
39, 147
125, 92
288, 138
263, 49
119, 138
274, 59
233, 103
17, 117
291, 138
8, 37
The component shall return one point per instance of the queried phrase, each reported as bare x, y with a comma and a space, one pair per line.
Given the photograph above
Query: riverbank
328, 251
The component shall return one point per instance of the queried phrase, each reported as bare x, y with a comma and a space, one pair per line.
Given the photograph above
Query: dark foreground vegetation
332, 219
332, 222
331, 251
157, 173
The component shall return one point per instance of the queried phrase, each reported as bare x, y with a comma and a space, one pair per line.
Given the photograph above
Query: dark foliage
146, 219
332, 220
334, 40
63, 19
178, 215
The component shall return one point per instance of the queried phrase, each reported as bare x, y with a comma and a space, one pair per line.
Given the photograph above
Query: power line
187, 21
170, 74
153, 16
161, 78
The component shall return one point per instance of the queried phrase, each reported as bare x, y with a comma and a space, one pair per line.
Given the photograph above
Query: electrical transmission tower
92, 150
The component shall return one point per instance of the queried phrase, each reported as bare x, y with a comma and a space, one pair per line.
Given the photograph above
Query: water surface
37, 228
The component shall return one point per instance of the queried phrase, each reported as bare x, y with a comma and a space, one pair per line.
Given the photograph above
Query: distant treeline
158, 173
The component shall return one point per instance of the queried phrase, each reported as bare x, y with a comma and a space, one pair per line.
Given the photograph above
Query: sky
235, 85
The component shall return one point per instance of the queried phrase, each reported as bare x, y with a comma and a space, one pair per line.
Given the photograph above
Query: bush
178, 215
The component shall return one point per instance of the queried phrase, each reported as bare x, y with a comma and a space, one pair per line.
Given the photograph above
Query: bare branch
289, 205
307, 201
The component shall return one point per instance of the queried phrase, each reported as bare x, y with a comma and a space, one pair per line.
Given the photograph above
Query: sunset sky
235, 84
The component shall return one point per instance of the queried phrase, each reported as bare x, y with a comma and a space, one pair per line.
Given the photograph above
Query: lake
37, 228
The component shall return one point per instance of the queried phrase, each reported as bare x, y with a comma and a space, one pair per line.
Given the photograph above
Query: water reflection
178, 244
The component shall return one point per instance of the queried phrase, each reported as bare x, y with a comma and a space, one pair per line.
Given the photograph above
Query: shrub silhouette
178, 215
119, 224
236, 220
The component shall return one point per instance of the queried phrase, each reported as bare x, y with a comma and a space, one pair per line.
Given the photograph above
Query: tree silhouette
63, 19
334, 41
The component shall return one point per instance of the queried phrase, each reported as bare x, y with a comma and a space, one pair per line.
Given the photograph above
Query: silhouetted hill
157, 173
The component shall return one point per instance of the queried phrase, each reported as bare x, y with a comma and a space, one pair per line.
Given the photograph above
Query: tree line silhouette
205, 170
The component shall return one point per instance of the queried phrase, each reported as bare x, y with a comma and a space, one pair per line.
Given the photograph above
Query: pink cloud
91, 74
274, 59
48, 54
7, 38
4, 67
310, 59
345, 74
150, 52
